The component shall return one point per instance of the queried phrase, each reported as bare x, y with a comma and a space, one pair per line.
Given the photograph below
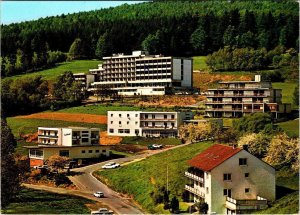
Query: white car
102, 211
99, 194
110, 165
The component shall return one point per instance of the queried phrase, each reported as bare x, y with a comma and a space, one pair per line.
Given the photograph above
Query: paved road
85, 181
87, 184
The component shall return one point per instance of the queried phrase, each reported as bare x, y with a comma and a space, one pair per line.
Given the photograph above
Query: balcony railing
157, 119
236, 95
195, 177
47, 136
249, 204
195, 191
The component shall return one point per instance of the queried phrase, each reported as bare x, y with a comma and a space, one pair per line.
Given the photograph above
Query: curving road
87, 184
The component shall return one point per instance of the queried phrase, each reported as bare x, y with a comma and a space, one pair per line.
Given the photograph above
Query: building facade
230, 180
143, 74
84, 79
77, 143
146, 124
238, 98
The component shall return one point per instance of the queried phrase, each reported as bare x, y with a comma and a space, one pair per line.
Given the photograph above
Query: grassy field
147, 141
41, 202
102, 109
199, 63
290, 127
139, 179
76, 66
287, 91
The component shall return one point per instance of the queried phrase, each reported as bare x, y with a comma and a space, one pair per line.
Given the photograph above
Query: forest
178, 28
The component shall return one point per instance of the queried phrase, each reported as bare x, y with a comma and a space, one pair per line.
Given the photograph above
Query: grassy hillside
76, 66
290, 127
286, 205
287, 91
41, 202
140, 178
199, 63
147, 141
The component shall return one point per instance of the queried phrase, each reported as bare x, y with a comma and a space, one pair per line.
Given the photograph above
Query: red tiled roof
213, 157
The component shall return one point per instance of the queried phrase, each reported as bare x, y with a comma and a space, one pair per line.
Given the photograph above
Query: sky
18, 11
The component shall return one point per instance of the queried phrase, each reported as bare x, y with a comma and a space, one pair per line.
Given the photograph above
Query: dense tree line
229, 58
171, 28
28, 95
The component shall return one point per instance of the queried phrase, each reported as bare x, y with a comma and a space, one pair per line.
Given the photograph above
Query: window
120, 122
111, 115
120, 131
153, 116
90, 151
111, 122
83, 151
243, 161
136, 123
247, 190
146, 116
227, 176
127, 115
165, 116
97, 151
172, 116
137, 132
247, 175
227, 192
207, 190
111, 130
127, 131
64, 153
127, 122
103, 151
120, 115
136, 115
85, 140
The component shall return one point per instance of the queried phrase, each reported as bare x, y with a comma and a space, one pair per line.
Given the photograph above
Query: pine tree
9, 176
198, 40
19, 65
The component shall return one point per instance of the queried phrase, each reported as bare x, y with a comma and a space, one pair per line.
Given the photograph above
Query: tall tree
9, 176
103, 47
19, 64
198, 40
229, 36
8, 67
296, 96
76, 50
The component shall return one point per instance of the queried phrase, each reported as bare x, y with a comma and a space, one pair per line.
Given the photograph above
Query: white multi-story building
77, 143
230, 180
238, 98
147, 124
143, 74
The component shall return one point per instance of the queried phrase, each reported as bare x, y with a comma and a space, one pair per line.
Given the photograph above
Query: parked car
99, 194
155, 146
102, 211
41, 167
71, 165
110, 165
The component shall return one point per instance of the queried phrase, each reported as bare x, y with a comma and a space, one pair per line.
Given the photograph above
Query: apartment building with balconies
237, 98
146, 124
230, 180
77, 143
143, 74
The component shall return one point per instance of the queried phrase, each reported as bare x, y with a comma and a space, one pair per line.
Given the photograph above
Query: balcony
47, 136
252, 204
194, 177
157, 119
225, 109
236, 95
195, 191
159, 127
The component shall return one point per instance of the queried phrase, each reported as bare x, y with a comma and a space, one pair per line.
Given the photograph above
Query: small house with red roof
230, 180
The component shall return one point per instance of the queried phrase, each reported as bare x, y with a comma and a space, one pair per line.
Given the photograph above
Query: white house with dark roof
230, 180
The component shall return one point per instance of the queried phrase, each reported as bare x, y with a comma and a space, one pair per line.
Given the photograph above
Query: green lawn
76, 66
199, 63
287, 91
139, 179
290, 127
40, 202
147, 141
102, 109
